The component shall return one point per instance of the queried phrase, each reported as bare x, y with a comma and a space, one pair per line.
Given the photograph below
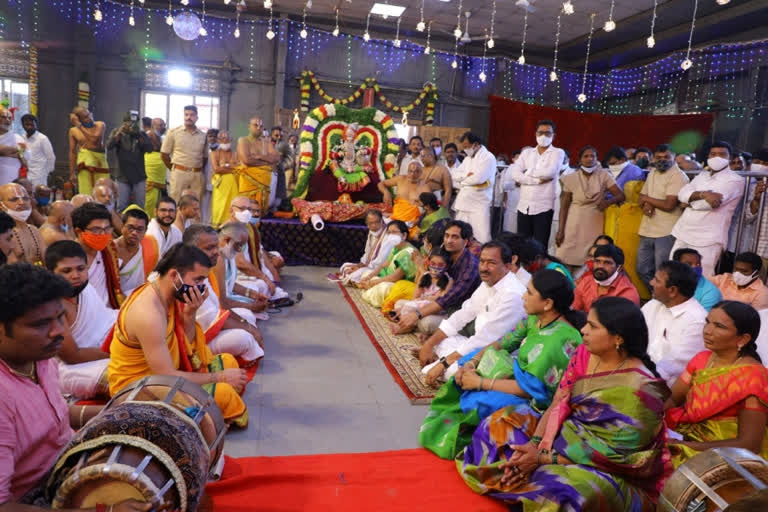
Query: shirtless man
408, 187
87, 159
436, 176
260, 158
80, 199
136, 256
58, 225
188, 212
103, 195
36, 218
30, 247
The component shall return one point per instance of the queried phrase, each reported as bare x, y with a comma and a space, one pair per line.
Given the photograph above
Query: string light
567, 7
521, 59
651, 41
336, 27
267, 4
491, 43
349, 60
97, 14
367, 36
35, 18
687, 63
553, 75
169, 18
303, 33
131, 19
427, 49
610, 25
252, 51
397, 42
237, 25
184, 2
270, 33
203, 30
583, 97
420, 26
482, 75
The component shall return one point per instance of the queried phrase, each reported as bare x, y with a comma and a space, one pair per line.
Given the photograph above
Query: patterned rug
395, 351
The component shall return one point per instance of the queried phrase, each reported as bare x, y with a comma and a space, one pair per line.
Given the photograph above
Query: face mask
255, 219
534, 267
742, 279
88, 125
214, 145
501, 162
225, 146
96, 242
699, 271
617, 168
717, 163
470, 151
589, 170
19, 215
395, 238
158, 133
438, 150
228, 251
544, 140
759, 167
663, 165
243, 216
181, 293
436, 271
642, 162
64, 228
77, 290
43, 201
610, 280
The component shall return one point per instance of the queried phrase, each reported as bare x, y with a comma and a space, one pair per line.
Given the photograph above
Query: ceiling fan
528, 5
465, 37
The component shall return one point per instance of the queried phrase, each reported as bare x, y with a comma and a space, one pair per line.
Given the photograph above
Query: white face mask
470, 151
243, 216
589, 170
544, 140
19, 215
610, 280
617, 168
395, 238
742, 279
64, 228
759, 167
228, 251
225, 146
438, 150
717, 163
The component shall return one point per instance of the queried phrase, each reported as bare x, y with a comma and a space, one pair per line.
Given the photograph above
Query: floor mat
393, 481
394, 350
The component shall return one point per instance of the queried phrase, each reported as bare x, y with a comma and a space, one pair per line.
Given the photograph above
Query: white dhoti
349, 276
92, 325
480, 220
132, 273
447, 347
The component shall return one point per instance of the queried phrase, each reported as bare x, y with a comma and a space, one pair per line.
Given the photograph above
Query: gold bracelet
490, 388
82, 416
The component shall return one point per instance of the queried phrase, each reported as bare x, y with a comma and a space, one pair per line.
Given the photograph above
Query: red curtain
513, 125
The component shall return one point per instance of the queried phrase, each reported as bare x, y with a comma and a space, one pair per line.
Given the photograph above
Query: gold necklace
711, 362
612, 372
160, 296
31, 375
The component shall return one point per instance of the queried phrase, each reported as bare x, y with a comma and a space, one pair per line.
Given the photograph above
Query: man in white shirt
10, 159
675, 320
39, 153
711, 198
476, 177
496, 307
415, 145
161, 227
377, 249
536, 170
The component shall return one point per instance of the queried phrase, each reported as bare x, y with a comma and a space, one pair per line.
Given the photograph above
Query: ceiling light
203, 31
366, 37
582, 98
686, 65
722, 2
491, 43
131, 21
179, 78
553, 76
387, 10
568, 7
482, 76
303, 33
426, 50
97, 15
270, 34
454, 64
267, 4
335, 32
457, 32
420, 26
521, 60
609, 26
237, 32
397, 43
169, 20
650, 42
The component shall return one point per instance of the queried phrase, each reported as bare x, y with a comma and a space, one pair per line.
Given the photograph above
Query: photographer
130, 144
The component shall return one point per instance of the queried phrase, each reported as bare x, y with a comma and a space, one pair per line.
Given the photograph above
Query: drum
155, 441
714, 480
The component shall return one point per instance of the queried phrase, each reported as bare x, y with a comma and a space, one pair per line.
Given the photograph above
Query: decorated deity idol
351, 164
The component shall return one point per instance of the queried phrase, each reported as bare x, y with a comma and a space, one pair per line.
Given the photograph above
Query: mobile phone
134, 115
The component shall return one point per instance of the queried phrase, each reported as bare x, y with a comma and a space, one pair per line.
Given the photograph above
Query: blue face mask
89, 124
254, 220
698, 271
43, 201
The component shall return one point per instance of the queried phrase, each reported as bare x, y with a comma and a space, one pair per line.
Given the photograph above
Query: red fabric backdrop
513, 125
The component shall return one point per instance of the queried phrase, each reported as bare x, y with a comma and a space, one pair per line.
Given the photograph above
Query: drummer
35, 421
157, 334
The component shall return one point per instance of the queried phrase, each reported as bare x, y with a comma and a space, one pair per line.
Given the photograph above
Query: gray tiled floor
322, 387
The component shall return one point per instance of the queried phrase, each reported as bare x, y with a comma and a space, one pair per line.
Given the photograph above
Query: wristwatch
445, 363
418, 314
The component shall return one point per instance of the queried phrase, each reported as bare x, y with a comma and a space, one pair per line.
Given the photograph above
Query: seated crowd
537, 358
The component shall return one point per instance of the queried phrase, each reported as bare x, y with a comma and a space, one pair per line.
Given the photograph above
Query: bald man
58, 224
87, 156
259, 158
80, 199
11, 147
157, 172
29, 247
36, 218
104, 195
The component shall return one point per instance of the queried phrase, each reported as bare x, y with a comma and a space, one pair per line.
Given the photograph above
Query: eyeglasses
242, 208
100, 231
166, 210
133, 229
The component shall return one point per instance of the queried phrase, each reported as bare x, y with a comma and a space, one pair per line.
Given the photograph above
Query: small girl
434, 283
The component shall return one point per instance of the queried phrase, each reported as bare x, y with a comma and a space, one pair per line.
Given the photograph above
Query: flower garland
327, 123
428, 94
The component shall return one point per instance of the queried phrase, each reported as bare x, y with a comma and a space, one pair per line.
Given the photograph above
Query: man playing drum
34, 418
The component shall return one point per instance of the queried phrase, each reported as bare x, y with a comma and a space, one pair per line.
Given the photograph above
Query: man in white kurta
39, 153
476, 177
377, 248
496, 307
161, 228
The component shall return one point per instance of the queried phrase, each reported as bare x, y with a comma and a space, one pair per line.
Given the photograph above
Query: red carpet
404, 480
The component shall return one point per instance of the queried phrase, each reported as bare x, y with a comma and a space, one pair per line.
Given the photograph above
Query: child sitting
434, 283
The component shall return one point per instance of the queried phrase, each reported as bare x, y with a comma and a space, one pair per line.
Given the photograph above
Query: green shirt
401, 258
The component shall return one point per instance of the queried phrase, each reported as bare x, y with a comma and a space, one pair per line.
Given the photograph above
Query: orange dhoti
405, 211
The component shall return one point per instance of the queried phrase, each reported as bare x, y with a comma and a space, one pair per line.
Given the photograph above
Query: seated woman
544, 343
735, 415
600, 445
539, 259
399, 265
432, 211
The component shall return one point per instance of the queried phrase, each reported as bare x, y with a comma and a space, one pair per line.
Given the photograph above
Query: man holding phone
157, 334
130, 144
